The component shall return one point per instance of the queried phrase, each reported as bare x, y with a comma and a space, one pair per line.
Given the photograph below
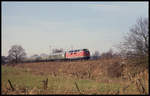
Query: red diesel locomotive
77, 54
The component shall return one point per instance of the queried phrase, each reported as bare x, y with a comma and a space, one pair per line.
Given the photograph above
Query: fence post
77, 88
142, 90
11, 85
45, 84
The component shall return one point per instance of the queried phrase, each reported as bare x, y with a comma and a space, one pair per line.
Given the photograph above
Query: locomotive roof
78, 50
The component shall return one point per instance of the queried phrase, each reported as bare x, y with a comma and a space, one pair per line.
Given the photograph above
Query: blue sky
94, 25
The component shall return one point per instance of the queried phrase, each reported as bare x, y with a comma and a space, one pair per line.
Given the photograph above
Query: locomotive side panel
78, 54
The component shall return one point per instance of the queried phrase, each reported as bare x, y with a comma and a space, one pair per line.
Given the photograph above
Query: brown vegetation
103, 71
91, 69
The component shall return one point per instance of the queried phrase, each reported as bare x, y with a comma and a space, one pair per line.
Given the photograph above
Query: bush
114, 69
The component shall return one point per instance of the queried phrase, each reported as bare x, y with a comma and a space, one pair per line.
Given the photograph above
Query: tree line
17, 54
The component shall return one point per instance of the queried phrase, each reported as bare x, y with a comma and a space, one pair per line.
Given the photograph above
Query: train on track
80, 54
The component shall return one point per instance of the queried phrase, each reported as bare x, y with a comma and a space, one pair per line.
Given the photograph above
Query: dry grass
80, 69
108, 77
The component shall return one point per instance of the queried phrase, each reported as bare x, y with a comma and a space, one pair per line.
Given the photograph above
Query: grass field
77, 77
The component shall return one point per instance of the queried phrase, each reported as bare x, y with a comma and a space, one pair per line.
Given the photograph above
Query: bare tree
96, 55
16, 53
136, 44
108, 54
137, 39
56, 50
